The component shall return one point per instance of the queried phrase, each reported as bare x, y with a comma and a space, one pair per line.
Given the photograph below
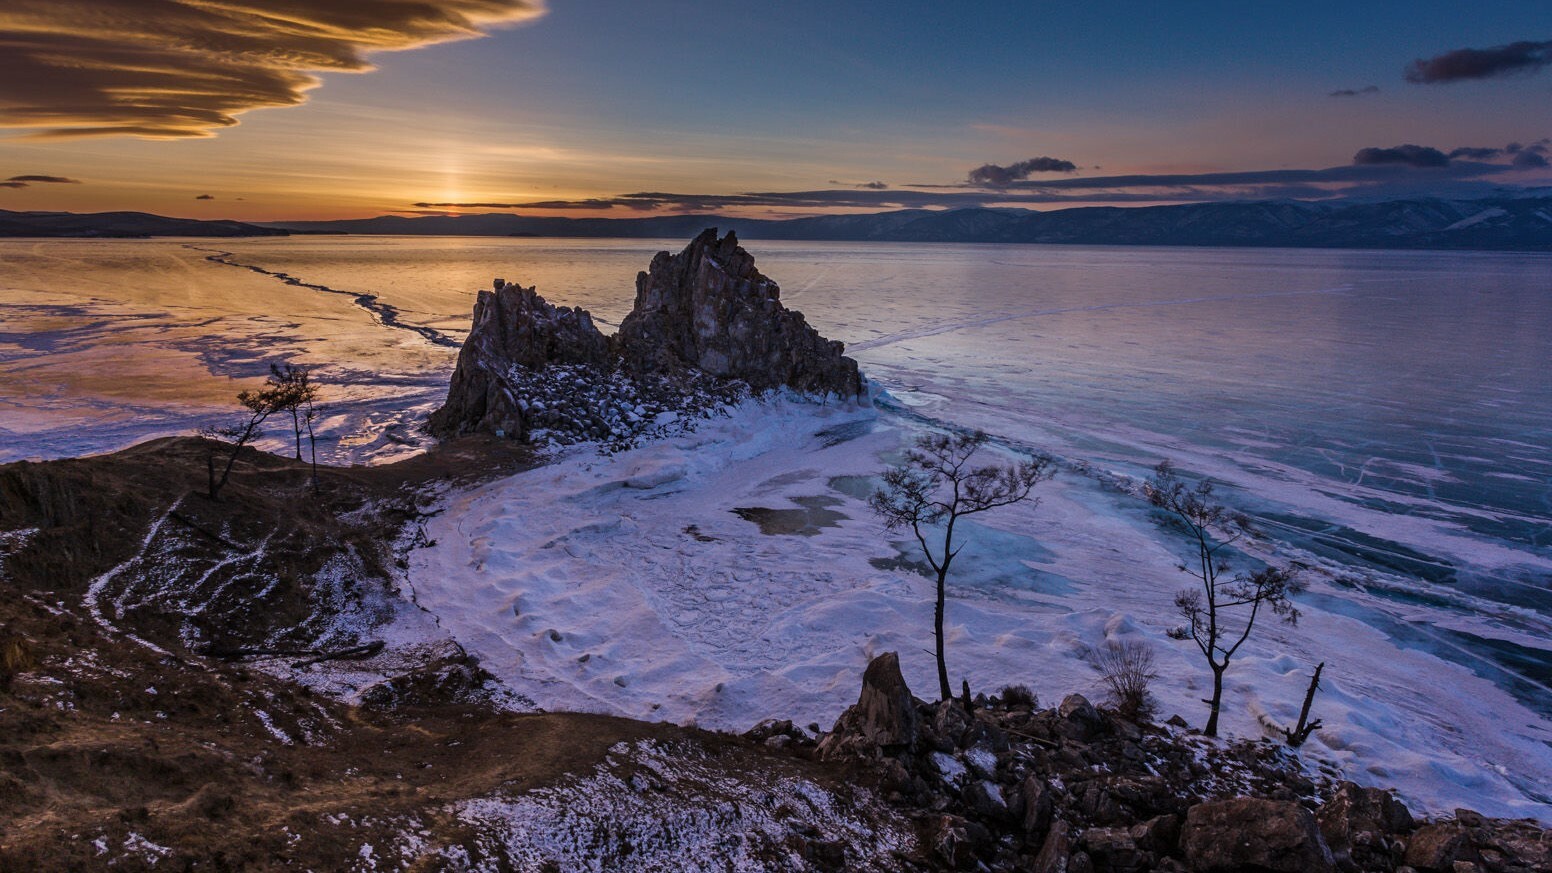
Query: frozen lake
1386, 417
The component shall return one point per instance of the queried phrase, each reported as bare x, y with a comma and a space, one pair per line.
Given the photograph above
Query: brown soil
104, 742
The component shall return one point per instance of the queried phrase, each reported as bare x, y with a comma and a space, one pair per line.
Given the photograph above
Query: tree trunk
1217, 701
296, 430
945, 693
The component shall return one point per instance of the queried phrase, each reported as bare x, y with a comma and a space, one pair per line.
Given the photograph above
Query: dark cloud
184, 68
1475, 154
1407, 155
206, 197
1404, 171
1489, 63
593, 203
1530, 160
9, 184
872, 186
53, 180
997, 176
1355, 92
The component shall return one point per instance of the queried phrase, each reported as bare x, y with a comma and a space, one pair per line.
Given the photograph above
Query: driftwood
309, 656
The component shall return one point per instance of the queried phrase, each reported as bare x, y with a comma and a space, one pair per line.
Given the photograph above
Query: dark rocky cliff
705, 320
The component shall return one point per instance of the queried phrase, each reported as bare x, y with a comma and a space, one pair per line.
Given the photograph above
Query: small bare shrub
1126, 668
1019, 697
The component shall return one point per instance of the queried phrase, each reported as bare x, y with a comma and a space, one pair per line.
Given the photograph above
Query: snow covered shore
631, 583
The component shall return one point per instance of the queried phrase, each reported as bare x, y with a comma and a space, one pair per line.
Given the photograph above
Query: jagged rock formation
706, 324
513, 327
1011, 787
708, 308
884, 717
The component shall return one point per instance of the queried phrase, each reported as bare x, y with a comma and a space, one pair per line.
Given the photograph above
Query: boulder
883, 720
1080, 720
1055, 852
1038, 807
1439, 846
513, 327
1356, 823
708, 308
1248, 833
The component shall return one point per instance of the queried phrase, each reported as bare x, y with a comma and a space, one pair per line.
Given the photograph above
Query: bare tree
296, 393
936, 484
1221, 614
310, 417
260, 405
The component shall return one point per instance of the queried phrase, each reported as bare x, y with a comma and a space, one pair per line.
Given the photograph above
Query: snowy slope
627, 584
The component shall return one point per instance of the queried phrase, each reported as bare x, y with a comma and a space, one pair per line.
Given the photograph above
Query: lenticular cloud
186, 68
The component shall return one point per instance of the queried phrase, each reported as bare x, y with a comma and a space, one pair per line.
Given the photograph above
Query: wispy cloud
1355, 92
997, 176
185, 68
51, 180
1490, 63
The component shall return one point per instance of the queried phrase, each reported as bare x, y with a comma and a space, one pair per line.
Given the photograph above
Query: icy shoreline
628, 584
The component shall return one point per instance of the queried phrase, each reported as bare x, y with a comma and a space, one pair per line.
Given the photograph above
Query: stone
1159, 834
1436, 847
1356, 821
1055, 851
882, 721
985, 799
1038, 807
1079, 719
1242, 833
706, 328
512, 327
954, 840
708, 308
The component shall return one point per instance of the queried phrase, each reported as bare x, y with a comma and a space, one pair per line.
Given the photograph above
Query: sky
318, 109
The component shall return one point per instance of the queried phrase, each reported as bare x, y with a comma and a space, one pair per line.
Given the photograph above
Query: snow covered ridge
706, 326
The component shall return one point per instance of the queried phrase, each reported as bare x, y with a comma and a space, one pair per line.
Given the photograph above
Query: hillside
1493, 224
121, 224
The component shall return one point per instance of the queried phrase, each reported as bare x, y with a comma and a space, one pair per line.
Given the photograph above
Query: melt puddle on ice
630, 584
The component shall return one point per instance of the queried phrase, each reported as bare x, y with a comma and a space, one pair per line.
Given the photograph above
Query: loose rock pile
1010, 786
571, 403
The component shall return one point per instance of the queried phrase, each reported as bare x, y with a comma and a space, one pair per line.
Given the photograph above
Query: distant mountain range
1505, 223
121, 224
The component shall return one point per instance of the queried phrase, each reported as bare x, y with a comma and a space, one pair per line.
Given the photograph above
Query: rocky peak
708, 308
513, 327
701, 318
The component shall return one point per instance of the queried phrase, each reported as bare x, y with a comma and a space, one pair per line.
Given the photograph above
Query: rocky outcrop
884, 719
514, 330
706, 326
708, 308
1006, 786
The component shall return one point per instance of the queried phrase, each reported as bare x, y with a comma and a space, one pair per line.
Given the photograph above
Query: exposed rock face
1360, 824
708, 308
884, 718
706, 323
1249, 833
513, 327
